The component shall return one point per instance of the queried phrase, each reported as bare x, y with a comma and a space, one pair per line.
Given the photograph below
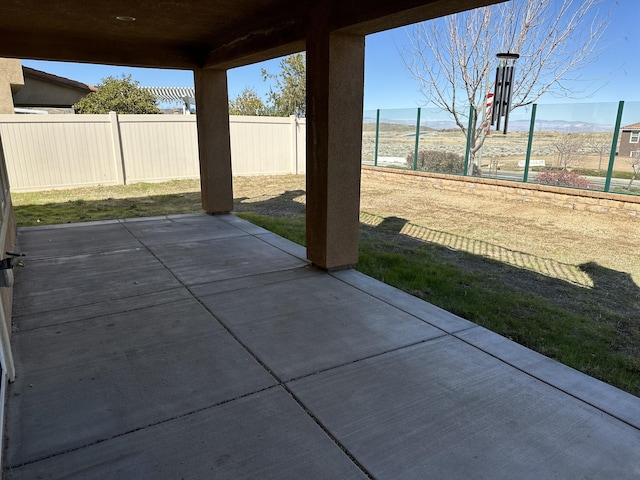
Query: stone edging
575, 199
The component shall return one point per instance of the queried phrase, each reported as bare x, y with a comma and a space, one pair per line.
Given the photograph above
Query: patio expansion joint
546, 382
83, 305
71, 257
282, 384
134, 430
404, 310
369, 357
250, 275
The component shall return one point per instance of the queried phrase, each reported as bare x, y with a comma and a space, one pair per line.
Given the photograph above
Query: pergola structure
184, 95
210, 37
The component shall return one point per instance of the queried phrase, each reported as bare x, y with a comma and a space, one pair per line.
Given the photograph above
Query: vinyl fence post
415, 150
294, 143
614, 145
116, 144
525, 177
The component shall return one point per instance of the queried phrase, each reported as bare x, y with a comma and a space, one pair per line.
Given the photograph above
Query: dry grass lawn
551, 240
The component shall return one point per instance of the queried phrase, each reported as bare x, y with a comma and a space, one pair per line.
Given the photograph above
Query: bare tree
598, 145
568, 148
453, 59
635, 164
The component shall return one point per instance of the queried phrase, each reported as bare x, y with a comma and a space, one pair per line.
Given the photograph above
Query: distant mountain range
564, 126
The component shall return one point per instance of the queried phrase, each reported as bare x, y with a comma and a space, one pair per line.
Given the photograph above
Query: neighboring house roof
50, 92
633, 126
50, 78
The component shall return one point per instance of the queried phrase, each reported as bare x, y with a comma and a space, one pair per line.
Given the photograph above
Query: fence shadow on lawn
576, 288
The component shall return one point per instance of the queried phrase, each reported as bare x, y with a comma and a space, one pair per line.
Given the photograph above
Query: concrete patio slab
81, 382
251, 282
265, 435
222, 259
56, 283
444, 409
312, 324
234, 358
176, 229
611, 400
408, 303
63, 240
284, 245
242, 224
99, 309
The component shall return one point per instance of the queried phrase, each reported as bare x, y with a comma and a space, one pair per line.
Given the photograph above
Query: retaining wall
575, 199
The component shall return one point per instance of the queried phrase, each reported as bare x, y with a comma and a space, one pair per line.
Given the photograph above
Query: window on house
634, 137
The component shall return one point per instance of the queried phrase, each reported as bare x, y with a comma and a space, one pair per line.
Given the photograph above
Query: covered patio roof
190, 34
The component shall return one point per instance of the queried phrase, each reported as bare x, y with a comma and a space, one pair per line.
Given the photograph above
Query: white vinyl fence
64, 151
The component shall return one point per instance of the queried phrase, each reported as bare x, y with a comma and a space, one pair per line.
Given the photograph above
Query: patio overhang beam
261, 44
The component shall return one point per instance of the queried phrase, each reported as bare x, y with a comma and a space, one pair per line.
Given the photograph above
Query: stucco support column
335, 89
214, 146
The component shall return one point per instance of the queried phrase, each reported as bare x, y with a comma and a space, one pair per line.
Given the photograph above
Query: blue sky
614, 76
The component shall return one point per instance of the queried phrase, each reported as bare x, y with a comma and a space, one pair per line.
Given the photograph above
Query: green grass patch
292, 228
106, 203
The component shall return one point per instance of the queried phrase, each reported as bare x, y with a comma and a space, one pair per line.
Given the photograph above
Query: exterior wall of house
11, 81
40, 93
626, 146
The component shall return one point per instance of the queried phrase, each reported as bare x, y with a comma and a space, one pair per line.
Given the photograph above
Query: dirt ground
552, 240
581, 261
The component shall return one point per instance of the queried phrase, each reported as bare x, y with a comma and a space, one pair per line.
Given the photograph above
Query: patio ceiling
190, 34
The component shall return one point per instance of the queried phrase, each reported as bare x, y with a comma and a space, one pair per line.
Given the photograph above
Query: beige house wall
40, 93
11, 81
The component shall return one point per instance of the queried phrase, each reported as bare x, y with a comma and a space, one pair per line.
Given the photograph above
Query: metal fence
593, 146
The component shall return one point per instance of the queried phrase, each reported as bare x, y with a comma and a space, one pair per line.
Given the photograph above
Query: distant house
630, 141
51, 93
